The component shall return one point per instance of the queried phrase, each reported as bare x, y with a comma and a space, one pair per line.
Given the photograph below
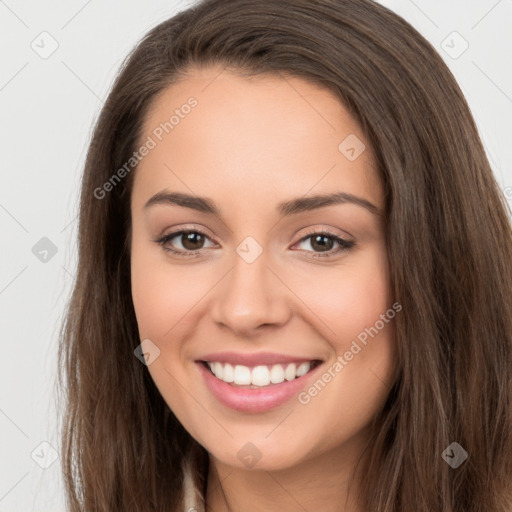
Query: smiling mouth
254, 377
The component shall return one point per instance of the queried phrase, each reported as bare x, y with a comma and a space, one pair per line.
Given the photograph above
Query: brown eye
322, 244
191, 242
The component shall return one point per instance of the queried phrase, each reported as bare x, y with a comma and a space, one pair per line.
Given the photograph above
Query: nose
251, 297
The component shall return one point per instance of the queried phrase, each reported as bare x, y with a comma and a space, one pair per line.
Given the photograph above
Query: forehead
258, 139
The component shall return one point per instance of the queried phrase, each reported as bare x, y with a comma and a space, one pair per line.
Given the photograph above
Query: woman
294, 278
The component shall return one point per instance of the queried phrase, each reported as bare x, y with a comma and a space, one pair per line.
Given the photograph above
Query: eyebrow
284, 209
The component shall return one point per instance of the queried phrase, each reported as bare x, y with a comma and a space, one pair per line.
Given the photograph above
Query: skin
249, 144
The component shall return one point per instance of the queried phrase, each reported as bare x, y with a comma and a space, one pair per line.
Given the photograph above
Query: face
264, 275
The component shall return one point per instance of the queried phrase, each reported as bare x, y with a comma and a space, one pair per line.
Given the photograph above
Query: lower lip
254, 400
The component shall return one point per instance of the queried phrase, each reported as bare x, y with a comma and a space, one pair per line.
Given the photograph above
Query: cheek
162, 293
357, 380
162, 296
354, 302
349, 298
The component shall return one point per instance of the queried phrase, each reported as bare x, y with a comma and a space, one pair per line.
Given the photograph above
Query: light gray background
47, 109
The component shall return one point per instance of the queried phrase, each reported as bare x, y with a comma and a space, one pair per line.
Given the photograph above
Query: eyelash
345, 245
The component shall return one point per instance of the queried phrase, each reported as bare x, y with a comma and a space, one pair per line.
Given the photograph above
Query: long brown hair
449, 243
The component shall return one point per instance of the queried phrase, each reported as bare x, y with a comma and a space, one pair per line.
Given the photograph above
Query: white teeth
302, 369
242, 375
217, 369
276, 374
289, 373
261, 375
228, 373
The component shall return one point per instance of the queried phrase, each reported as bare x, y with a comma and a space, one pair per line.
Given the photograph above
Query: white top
194, 480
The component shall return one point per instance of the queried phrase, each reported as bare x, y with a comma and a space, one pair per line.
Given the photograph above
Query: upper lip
254, 359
